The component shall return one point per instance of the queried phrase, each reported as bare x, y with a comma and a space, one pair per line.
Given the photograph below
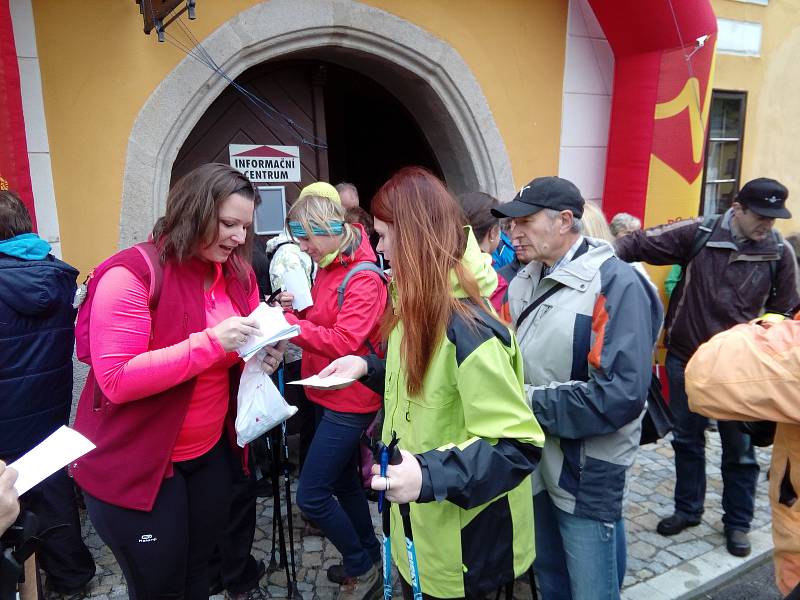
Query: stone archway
422, 71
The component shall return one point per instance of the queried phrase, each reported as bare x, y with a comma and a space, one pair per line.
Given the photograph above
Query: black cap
543, 192
765, 197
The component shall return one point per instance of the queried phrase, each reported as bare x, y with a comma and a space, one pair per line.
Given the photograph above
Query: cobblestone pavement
649, 554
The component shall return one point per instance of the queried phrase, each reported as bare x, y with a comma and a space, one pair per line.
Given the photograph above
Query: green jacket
477, 442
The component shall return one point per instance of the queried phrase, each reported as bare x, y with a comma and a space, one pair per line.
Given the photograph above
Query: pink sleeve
119, 331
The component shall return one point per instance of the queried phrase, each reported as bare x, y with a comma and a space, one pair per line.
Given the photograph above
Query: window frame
729, 95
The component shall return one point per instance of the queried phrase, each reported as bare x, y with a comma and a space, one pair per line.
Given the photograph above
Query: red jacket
326, 333
135, 439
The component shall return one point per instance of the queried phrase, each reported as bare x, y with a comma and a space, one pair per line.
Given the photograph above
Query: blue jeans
739, 466
331, 468
577, 558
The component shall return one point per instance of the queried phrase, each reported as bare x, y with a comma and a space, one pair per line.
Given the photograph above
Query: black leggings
164, 553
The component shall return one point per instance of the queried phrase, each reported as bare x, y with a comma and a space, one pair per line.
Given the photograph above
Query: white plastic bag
260, 405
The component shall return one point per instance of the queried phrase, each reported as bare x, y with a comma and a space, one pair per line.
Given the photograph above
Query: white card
295, 282
62, 447
323, 382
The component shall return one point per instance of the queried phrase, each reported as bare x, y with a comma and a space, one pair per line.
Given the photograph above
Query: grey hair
346, 186
577, 224
624, 223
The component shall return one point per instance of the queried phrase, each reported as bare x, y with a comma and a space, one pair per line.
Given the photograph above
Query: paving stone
648, 500
641, 550
667, 558
691, 549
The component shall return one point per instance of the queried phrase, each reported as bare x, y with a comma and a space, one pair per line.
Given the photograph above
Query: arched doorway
358, 131
424, 73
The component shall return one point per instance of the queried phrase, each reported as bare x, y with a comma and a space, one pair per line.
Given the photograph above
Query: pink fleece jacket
127, 370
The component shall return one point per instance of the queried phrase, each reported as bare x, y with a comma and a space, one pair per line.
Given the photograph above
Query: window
738, 37
723, 151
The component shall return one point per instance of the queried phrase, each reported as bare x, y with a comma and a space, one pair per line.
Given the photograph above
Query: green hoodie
477, 441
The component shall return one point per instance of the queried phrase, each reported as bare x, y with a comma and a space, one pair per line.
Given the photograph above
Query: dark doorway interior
370, 133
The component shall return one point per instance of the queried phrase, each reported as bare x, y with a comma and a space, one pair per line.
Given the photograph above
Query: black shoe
674, 524
737, 542
336, 574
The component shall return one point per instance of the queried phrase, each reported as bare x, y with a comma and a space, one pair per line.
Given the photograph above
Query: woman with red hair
453, 395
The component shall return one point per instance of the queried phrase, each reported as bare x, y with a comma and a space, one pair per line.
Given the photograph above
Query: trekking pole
291, 584
405, 513
273, 565
276, 487
387, 454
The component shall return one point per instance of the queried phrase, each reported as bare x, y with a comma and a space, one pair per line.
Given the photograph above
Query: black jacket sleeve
662, 245
786, 299
478, 473
375, 378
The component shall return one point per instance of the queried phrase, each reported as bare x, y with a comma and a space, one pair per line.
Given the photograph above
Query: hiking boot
255, 594
674, 524
50, 593
368, 586
336, 573
737, 542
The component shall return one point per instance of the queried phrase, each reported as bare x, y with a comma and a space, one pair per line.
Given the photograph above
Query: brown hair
359, 215
428, 244
477, 208
192, 216
14, 217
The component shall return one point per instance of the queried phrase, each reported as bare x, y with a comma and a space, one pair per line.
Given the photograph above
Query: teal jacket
477, 442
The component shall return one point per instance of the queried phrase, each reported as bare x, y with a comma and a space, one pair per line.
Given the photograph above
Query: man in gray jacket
587, 324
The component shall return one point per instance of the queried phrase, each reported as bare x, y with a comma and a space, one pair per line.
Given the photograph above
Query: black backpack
704, 233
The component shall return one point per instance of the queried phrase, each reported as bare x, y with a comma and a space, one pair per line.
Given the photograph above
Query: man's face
348, 198
538, 237
752, 225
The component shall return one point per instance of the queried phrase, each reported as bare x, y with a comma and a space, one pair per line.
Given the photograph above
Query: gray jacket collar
576, 273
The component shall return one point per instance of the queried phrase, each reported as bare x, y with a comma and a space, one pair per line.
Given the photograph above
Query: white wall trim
427, 75
586, 102
44, 197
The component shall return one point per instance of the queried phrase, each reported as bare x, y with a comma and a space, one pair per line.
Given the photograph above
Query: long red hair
428, 244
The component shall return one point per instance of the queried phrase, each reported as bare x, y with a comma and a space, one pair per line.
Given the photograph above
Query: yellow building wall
772, 122
98, 69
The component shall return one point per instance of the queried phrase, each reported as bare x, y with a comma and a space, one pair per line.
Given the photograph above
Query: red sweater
326, 332
135, 435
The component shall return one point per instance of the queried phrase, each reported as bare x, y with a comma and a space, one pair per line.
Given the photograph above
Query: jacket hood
479, 264
34, 287
363, 251
282, 238
27, 246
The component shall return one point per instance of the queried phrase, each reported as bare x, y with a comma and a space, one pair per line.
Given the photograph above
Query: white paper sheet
296, 282
62, 447
274, 328
323, 382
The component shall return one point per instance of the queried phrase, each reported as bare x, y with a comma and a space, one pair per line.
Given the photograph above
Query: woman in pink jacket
165, 320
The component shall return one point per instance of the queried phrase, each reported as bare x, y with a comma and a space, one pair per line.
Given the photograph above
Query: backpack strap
773, 266
152, 257
536, 303
363, 265
702, 236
